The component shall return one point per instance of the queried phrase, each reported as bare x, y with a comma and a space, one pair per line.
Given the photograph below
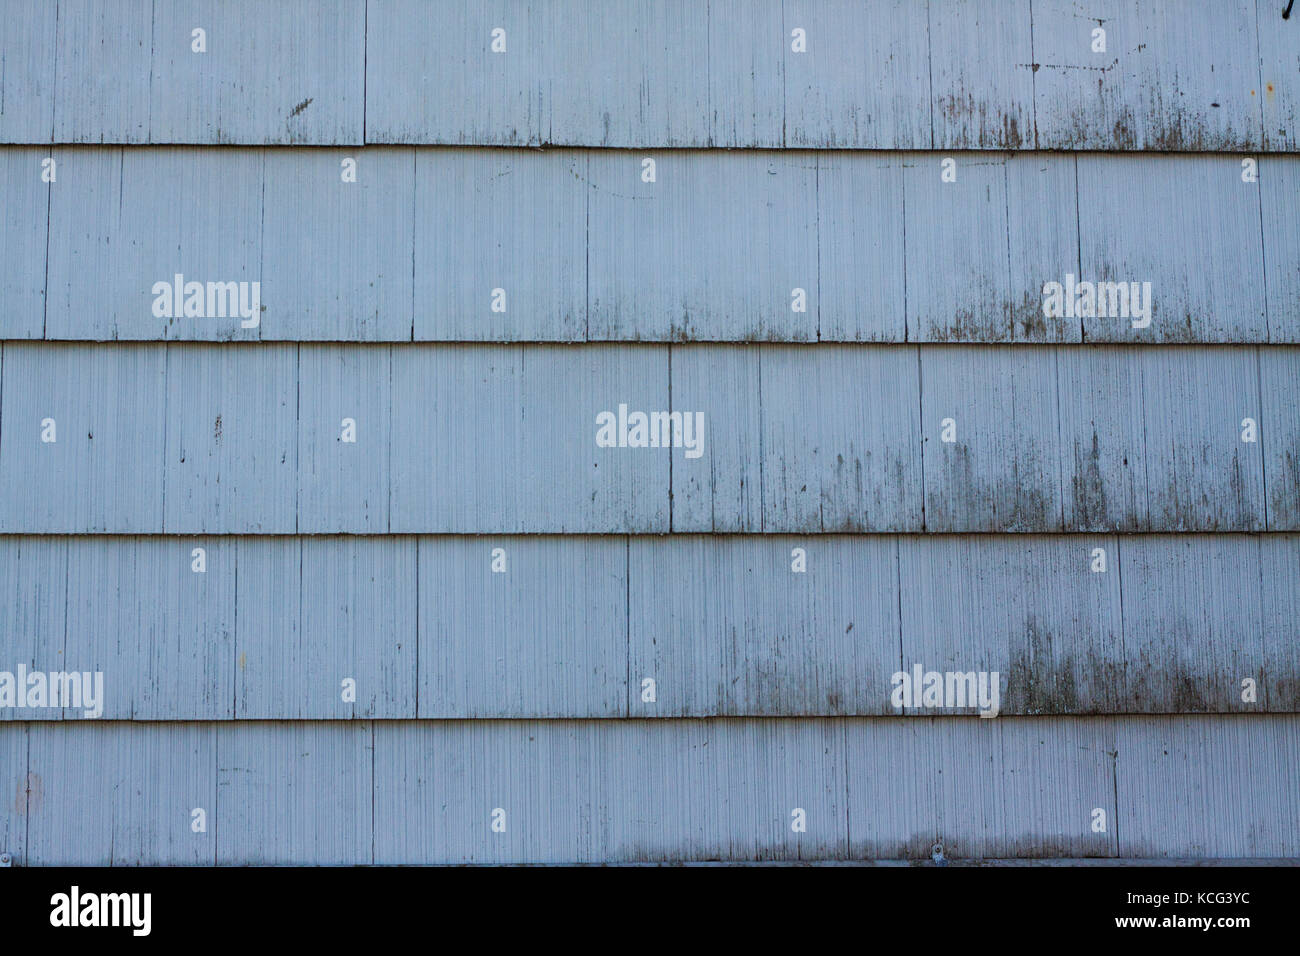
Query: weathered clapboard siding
1279, 386
544, 636
882, 74
24, 224
488, 439
1175, 808
122, 220
722, 246
501, 439
300, 792
1279, 195
121, 794
723, 625
1173, 76
77, 71
686, 257
573, 791
1001, 471
1191, 229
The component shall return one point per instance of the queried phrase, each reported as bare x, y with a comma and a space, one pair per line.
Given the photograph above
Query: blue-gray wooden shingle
1192, 623
232, 417
1029, 607
124, 220
1171, 76
122, 794
500, 245
719, 246
336, 255
27, 79
981, 74
523, 626
1207, 788
958, 270
344, 409
1279, 388
1103, 445
863, 82
295, 792
492, 439
1190, 227
103, 407
1201, 472
861, 262
24, 231
571, 791
728, 626
162, 634
1279, 197
1001, 471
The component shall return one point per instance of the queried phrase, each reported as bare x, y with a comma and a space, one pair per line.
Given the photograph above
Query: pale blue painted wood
1279, 74
288, 72
624, 73
1279, 196
980, 787
725, 626
958, 267
1201, 475
981, 74
315, 612
24, 229
103, 472
33, 614
1188, 225
1207, 788
162, 634
948, 74
27, 71
296, 792
1002, 472
722, 624
509, 220
574, 791
1279, 386
543, 636
103, 59
1103, 445
722, 490
122, 220
121, 794
861, 264
1042, 241
714, 248
863, 82
1192, 623
1279, 562
503, 440
1029, 607
1174, 75
712, 251
336, 261
839, 442
344, 485
16, 785
231, 439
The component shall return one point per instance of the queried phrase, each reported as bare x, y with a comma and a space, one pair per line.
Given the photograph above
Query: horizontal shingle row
218, 628
574, 245
611, 791
491, 439
943, 74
